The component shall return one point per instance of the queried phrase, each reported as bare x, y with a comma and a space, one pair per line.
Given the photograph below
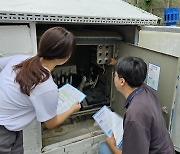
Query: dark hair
55, 43
132, 69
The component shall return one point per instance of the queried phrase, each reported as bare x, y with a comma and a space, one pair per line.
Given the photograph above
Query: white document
68, 95
153, 76
110, 122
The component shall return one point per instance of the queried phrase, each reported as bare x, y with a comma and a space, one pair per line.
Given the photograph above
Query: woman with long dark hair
27, 89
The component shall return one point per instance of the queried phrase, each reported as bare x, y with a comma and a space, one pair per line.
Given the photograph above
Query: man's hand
112, 144
111, 141
112, 61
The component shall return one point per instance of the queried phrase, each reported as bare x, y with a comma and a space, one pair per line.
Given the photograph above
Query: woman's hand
75, 107
60, 118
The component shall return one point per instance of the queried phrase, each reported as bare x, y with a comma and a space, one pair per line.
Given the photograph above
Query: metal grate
71, 19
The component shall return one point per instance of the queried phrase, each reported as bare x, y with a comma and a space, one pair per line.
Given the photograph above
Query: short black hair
132, 69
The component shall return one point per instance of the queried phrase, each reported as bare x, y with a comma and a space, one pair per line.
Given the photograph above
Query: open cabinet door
159, 46
167, 76
166, 40
174, 125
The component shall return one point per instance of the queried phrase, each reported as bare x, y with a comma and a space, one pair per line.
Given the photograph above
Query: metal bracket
11, 16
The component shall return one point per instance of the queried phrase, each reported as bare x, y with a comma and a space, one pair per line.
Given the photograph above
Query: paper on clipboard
68, 95
110, 123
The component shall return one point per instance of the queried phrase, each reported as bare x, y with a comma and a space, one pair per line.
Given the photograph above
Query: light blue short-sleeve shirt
17, 110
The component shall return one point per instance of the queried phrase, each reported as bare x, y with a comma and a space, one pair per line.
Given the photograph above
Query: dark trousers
11, 142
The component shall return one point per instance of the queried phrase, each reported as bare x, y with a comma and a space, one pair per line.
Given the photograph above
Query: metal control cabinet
102, 31
165, 41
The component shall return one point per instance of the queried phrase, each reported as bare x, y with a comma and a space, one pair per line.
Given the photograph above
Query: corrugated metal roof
77, 11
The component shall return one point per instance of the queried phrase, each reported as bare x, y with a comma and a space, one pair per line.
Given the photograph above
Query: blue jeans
104, 149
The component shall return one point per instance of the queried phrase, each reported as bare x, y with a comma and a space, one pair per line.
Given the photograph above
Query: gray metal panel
175, 117
16, 39
164, 42
32, 138
164, 39
172, 29
174, 125
77, 11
